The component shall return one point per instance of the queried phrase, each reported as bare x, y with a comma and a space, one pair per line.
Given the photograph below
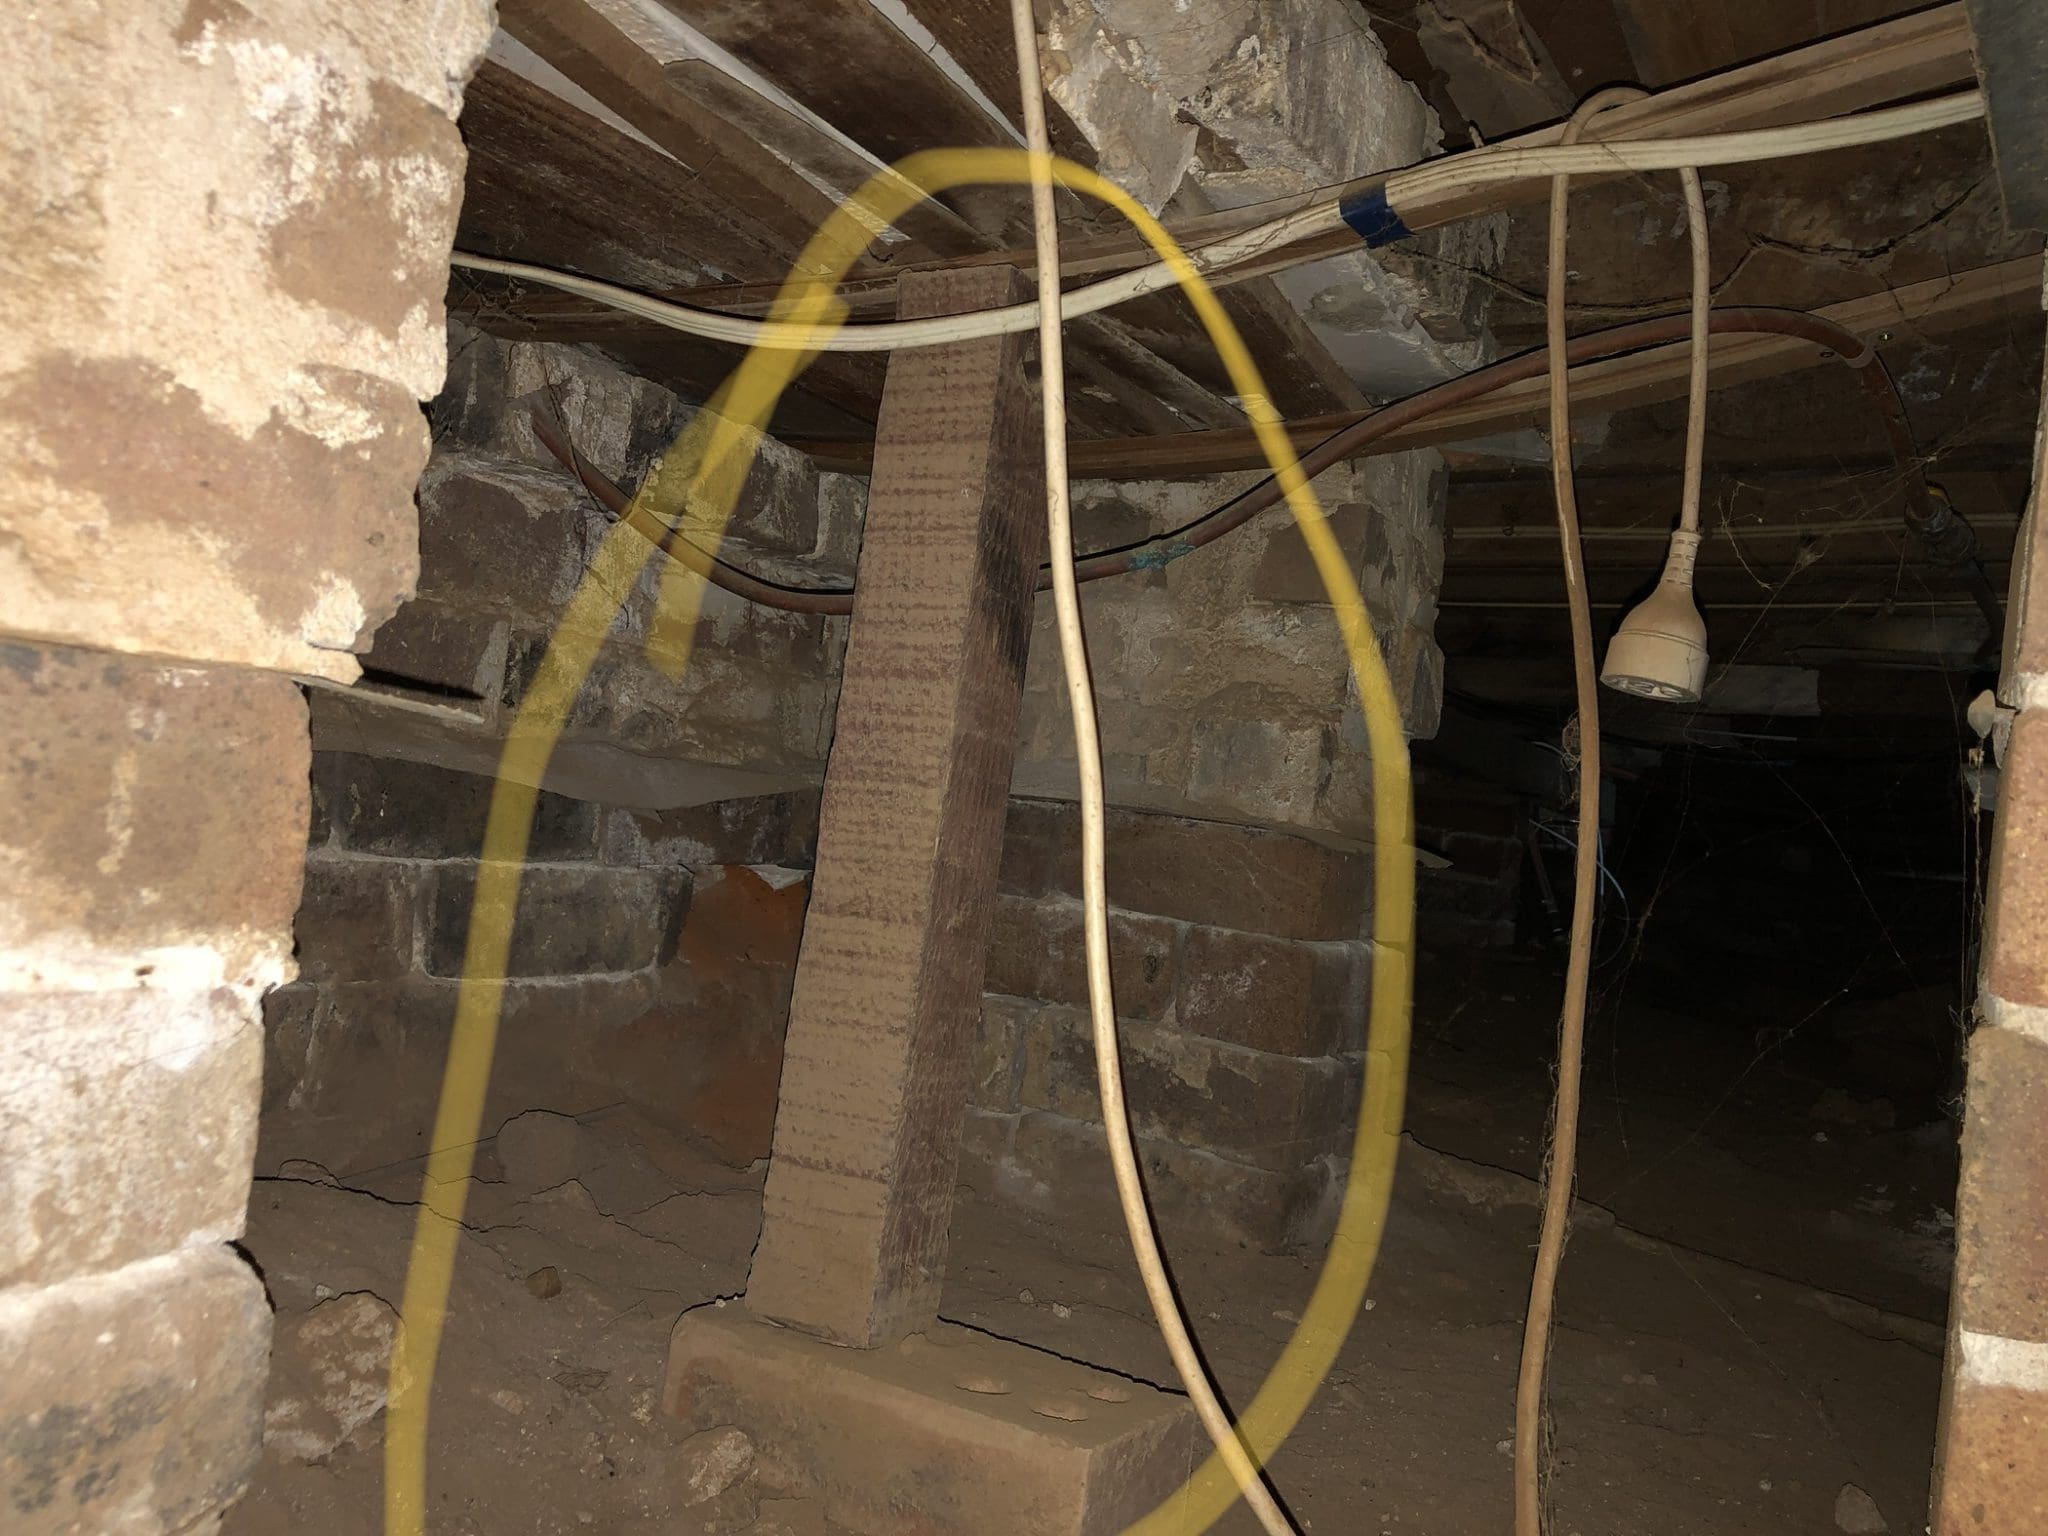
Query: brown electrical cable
1922, 511
1561, 1168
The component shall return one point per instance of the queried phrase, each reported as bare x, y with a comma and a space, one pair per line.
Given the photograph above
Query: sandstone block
127, 1125
1993, 1464
1038, 949
1058, 1169
942, 1432
759, 829
330, 1373
995, 1068
1277, 995
2016, 924
132, 1401
156, 819
2001, 1275
442, 655
357, 920
1230, 876
1275, 1112
571, 921
497, 537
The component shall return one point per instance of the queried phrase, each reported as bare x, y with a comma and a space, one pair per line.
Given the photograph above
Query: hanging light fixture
1660, 651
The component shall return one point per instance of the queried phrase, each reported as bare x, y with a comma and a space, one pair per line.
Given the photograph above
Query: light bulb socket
1660, 651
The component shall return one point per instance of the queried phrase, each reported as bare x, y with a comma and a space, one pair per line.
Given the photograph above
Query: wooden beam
2009, 289
759, 189
847, 62
874, 1077
1911, 56
526, 144
787, 134
977, 34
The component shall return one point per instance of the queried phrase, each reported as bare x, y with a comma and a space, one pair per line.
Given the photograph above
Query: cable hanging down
1166, 1308
1560, 1168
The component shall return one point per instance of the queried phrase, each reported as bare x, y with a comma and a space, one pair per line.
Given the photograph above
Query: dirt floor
1691, 1396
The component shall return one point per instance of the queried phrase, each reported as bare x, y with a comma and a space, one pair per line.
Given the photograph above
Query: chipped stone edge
2026, 1019
1992, 1360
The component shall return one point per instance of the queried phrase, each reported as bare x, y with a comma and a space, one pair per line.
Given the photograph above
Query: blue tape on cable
1158, 557
1372, 219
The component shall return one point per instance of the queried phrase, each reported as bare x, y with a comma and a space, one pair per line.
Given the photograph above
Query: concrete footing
945, 1433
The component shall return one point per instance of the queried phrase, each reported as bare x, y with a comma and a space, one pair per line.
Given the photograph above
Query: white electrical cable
1066, 594
1410, 188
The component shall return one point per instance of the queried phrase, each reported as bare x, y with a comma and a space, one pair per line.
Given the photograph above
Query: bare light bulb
1660, 651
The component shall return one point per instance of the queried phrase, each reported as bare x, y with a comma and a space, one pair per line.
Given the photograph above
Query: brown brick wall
1991, 1466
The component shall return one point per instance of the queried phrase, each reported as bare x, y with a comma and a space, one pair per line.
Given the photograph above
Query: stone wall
1224, 688
654, 957
1242, 976
506, 534
226, 234
651, 964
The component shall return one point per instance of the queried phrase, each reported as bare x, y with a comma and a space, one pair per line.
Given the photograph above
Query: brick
726, 708
995, 1069
1037, 838
1259, 769
440, 654
1275, 1112
571, 921
934, 1432
1230, 876
759, 829
357, 921
147, 807
2016, 918
127, 1125
398, 809
1275, 995
132, 1401
1037, 949
501, 538
2001, 1275
1992, 1466
1287, 572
